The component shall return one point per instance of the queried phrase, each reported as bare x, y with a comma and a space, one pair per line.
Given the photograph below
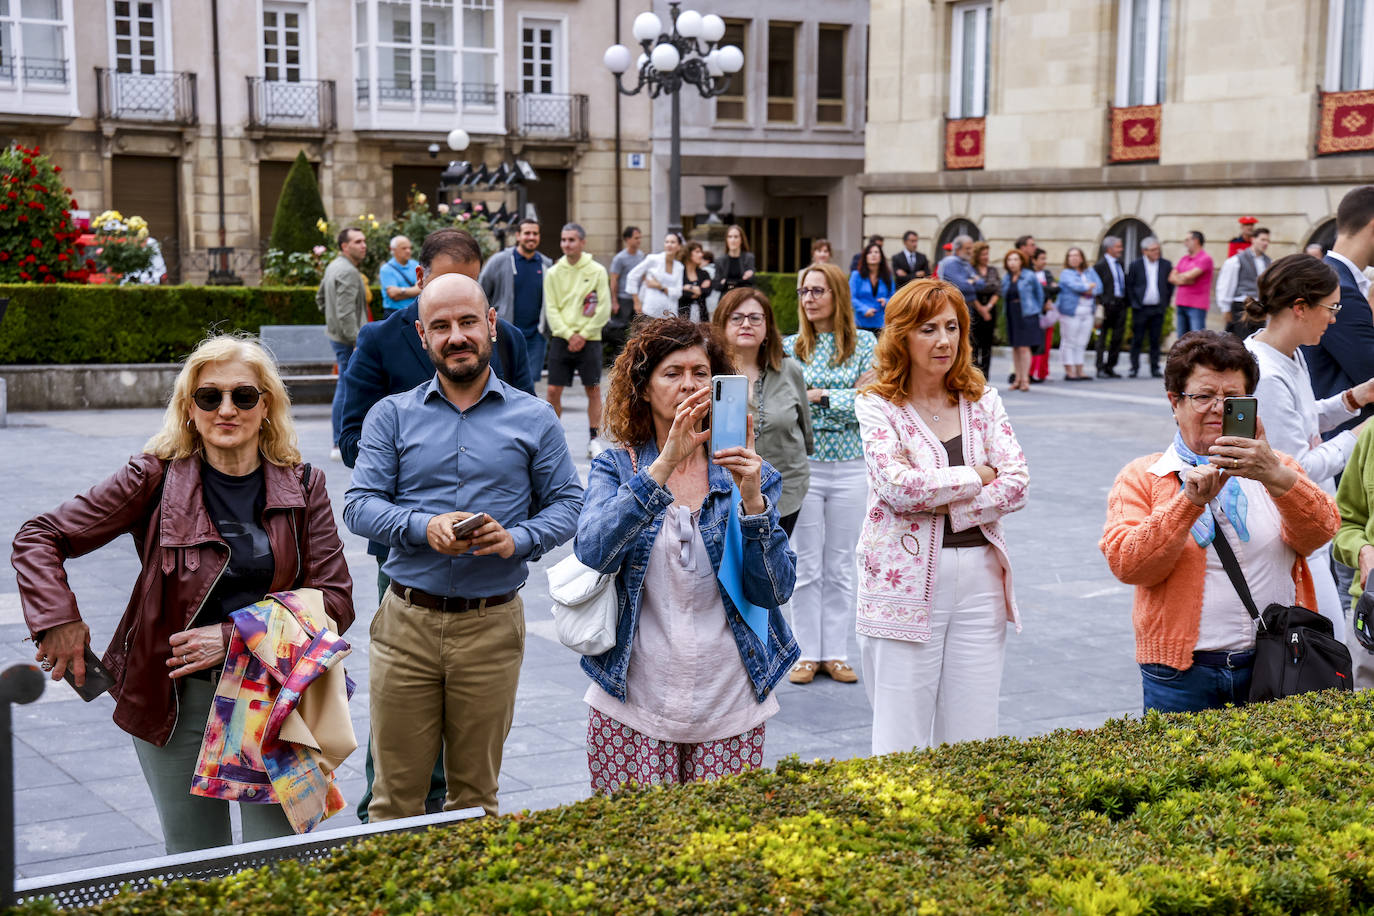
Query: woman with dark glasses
222, 511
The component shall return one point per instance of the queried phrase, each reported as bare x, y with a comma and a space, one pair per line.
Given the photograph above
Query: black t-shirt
235, 505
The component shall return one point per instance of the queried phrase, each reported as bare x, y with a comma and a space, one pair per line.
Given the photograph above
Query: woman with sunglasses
1194, 639
1299, 298
777, 393
222, 512
836, 358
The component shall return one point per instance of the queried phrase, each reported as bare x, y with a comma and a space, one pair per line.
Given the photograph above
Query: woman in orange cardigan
1194, 638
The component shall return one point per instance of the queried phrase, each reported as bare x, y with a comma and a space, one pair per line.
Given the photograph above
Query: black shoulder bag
1295, 649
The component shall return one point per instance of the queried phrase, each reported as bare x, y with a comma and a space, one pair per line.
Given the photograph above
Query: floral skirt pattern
617, 754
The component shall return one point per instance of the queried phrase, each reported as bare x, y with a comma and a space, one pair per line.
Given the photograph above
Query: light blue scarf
731, 572
1233, 501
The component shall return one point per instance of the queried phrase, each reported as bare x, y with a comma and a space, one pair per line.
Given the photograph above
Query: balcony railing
479, 94
36, 71
548, 117
307, 104
168, 97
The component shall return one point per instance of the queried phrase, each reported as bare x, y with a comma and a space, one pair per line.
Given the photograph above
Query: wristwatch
824, 401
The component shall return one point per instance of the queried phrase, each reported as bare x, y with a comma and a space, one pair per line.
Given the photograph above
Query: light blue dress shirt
420, 456
394, 274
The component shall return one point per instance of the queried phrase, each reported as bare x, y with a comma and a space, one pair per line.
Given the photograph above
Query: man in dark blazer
1148, 292
389, 360
1111, 274
909, 264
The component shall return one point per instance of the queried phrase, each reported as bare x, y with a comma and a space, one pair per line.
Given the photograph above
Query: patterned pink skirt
617, 754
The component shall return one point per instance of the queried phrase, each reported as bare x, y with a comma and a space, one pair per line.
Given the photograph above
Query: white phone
729, 412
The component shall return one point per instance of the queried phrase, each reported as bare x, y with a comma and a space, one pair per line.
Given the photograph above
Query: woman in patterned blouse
935, 590
836, 358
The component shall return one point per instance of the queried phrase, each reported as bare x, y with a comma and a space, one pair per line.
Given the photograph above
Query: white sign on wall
634, 160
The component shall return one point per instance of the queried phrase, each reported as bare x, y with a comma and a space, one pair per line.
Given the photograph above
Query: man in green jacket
577, 305
343, 300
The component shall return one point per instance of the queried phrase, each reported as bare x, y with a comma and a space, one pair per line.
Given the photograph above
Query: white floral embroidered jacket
909, 477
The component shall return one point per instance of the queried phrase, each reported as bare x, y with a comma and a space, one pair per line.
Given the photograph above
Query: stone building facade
1073, 119
123, 94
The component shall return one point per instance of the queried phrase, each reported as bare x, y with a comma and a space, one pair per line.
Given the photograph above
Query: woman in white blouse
656, 282
1299, 299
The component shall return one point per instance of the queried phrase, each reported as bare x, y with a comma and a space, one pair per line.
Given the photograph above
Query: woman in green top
777, 393
836, 358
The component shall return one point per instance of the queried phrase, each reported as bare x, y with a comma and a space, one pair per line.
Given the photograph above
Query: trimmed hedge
1261, 810
69, 323
781, 290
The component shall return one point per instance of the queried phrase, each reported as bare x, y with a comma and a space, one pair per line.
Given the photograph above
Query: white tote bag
585, 607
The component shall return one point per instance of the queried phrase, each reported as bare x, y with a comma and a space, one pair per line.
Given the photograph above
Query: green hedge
781, 290
1260, 810
67, 323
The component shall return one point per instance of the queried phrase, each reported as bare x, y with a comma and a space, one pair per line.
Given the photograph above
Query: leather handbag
1295, 649
585, 606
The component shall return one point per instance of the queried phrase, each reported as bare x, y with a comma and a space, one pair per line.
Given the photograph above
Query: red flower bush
34, 220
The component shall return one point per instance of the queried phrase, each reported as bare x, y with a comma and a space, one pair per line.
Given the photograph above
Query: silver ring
45, 665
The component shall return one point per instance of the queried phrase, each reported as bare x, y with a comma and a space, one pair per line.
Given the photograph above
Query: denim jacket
621, 517
1032, 293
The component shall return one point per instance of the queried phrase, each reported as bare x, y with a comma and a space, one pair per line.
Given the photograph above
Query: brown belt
449, 605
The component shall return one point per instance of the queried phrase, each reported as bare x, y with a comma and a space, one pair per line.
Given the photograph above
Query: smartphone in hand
1239, 416
729, 412
98, 678
462, 530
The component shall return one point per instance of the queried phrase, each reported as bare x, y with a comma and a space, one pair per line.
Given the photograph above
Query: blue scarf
1233, 501
731, 573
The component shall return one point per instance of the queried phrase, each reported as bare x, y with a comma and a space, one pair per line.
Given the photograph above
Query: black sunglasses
244, 397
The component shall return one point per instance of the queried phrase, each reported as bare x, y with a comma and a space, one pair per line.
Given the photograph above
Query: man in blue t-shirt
513, 280
400, 286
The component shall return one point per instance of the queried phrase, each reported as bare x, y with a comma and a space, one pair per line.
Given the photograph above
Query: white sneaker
335, 454
596, 447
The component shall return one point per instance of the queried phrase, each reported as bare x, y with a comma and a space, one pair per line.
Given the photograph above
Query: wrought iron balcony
307, 104
479, 94
167, 97
547, 117
35, 71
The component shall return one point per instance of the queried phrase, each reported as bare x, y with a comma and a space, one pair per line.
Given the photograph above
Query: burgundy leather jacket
159, 502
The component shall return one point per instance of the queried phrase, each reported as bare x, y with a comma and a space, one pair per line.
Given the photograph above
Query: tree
37, 239
299, 210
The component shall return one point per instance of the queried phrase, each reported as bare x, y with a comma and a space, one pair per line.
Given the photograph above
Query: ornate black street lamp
688, 55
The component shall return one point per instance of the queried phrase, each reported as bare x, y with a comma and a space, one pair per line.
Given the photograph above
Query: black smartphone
98, 679
1239, 416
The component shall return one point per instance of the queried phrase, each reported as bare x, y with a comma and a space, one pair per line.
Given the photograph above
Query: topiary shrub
1259, 810
37, 238
299, 210
781, 290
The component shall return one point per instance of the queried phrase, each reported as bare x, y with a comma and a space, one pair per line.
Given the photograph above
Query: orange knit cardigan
1148, 543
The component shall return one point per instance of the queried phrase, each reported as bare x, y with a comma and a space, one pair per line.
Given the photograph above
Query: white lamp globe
731, 59
689, 23
712, 27
639, 65
647, 27
713, 64
665, 58
617, 59
458, 139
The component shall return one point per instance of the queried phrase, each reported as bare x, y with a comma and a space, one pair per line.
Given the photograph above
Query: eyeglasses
244, 397
814, 292
1202, 402
1335, 309
755, 319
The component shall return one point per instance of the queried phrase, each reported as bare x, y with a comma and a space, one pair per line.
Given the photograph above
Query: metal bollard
18, 684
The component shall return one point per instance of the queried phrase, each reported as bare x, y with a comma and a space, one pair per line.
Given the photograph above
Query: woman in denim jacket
1025, 299
692, 706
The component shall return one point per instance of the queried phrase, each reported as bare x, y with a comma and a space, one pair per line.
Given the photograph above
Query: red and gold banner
1347, 122
964, 143
1135, 133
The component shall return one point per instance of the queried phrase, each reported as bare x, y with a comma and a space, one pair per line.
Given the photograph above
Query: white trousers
1074, 331
1324, 583
827, 533
929, 693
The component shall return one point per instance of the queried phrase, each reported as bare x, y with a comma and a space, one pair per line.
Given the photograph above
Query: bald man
449, 636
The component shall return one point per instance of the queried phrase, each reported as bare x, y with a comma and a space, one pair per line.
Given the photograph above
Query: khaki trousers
441, 679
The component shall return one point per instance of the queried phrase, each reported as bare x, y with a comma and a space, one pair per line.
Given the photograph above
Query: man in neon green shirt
577, 305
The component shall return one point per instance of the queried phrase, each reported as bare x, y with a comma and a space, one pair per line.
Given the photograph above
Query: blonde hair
277, 437
845, 330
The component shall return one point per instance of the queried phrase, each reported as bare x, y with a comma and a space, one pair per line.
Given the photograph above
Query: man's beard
464, 375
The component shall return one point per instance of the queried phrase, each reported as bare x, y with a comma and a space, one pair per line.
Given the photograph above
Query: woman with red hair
944, 466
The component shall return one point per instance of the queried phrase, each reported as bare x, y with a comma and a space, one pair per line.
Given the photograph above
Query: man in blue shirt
400, 285
513, 280
449, 637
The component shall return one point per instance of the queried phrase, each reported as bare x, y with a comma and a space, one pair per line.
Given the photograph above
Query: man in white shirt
1149, 292
1239, 281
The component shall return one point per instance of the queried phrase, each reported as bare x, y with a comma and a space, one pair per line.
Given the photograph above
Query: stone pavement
82, 801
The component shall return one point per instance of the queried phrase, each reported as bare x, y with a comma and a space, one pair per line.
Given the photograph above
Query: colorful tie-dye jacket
256, 749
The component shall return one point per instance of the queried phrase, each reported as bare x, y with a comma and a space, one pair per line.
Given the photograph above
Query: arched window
953, 229
1131, 232
1324, 235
